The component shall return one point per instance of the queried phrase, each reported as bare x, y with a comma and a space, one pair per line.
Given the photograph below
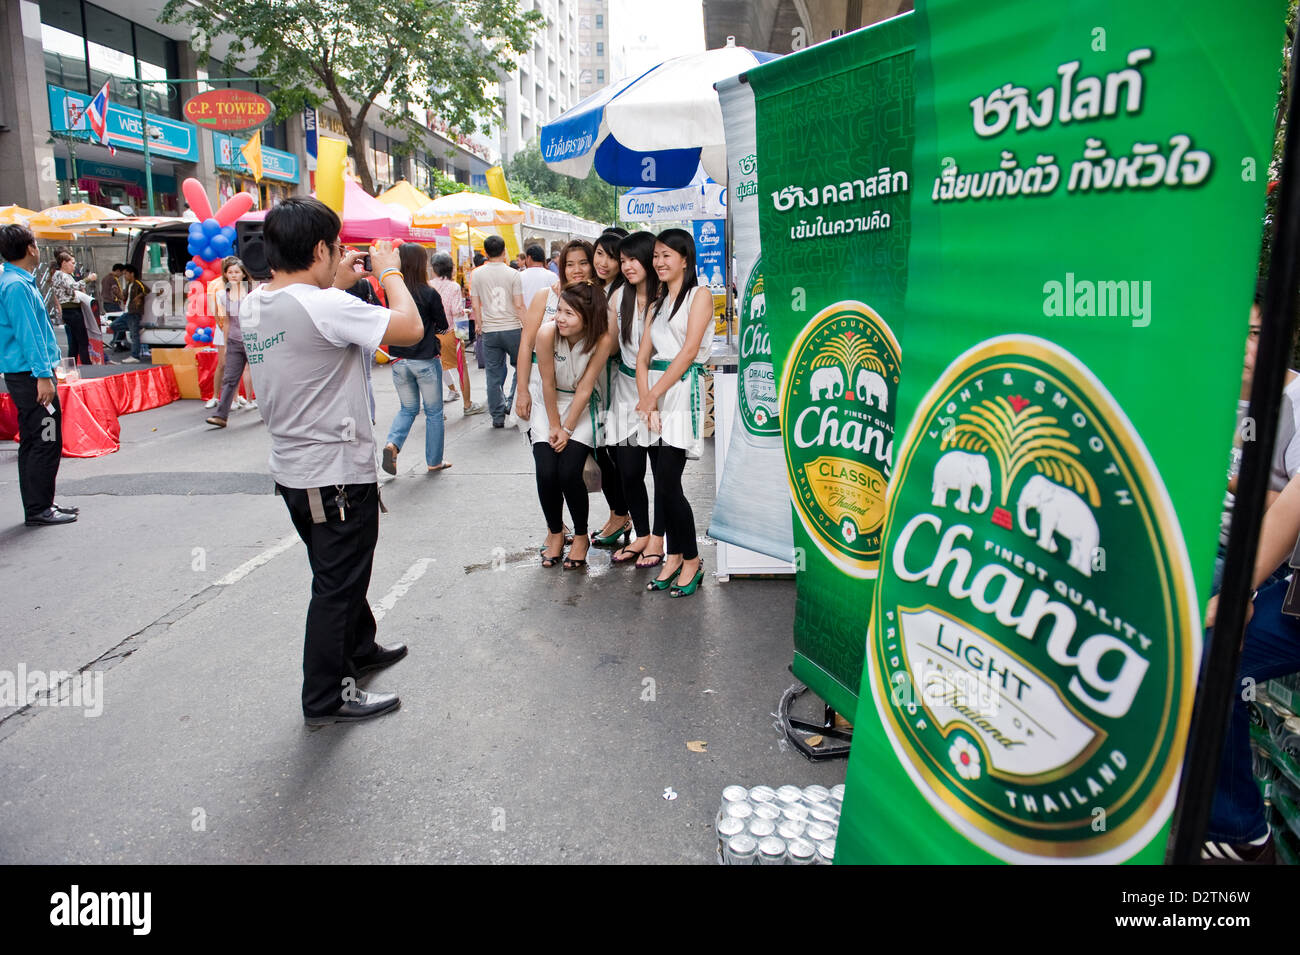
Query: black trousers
679, 519
40, 444
631, 461
78, 340
340, 627
559, 482
611, 483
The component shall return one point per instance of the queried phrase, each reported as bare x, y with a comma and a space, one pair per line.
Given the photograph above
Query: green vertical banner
1086, 222
834, 179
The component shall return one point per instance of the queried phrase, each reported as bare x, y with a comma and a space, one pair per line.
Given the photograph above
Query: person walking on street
450, 348
536, 276
670, 382
563, 425
66, 291
228, 296
498, 300
417, 370
28, 354
131, 296
308, 341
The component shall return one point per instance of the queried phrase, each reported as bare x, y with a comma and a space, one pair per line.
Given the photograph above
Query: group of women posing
613, 364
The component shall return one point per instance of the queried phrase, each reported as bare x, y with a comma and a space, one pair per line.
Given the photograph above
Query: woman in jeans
65, 292
417, 369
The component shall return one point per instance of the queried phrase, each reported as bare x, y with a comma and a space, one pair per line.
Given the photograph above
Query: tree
441, 55
530, 178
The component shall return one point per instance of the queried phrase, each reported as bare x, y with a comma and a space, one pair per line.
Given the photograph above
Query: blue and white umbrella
652, 130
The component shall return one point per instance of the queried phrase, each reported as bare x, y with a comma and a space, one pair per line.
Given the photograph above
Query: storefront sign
833, 197
276, 164
228, 110
167, 138
113, 173
1086, 226
309, 128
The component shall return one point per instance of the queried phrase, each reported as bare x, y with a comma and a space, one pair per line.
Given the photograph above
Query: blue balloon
208, 254
211, 227
229, 232
221, 246
192, 271
194, 247
196, 230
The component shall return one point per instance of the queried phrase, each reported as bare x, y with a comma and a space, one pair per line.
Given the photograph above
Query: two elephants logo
1035, 636
837, 399
759, 407
1015, 433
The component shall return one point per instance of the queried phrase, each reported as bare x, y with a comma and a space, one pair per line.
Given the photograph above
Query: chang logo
838, 396
1017, 478
759, 411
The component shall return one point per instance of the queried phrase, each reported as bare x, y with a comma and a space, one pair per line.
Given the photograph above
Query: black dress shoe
382, 657
67, 510
50, 516
366, 706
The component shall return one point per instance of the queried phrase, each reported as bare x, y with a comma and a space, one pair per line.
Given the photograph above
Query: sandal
390, 459
440, 467
656, 558
572, 563
627, 558
548, 561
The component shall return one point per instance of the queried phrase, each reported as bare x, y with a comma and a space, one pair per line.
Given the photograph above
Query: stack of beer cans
788, 825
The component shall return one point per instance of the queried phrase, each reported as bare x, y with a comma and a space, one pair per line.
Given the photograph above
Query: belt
692, 377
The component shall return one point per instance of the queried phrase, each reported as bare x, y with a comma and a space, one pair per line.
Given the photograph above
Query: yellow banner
252, 153
496, 178
331, 154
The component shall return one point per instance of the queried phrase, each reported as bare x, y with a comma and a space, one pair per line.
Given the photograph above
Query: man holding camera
308, 342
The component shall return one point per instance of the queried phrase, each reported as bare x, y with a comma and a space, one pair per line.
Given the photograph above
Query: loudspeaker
252, 249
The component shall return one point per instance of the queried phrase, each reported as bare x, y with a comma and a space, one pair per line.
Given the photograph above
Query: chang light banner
1090, 179
752, 509
834, 155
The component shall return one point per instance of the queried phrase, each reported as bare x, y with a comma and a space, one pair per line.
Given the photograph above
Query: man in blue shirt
28, 355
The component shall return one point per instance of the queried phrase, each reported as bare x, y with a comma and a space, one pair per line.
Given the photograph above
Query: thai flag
97, 116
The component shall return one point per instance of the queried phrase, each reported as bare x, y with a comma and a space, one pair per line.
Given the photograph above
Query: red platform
91, 407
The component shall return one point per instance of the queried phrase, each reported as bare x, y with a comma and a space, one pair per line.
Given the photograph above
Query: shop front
123, 180
280, 172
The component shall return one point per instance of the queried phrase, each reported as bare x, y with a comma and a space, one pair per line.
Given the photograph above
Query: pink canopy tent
365, 219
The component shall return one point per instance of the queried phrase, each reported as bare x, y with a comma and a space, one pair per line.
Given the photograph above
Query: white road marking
248, 566
399, 589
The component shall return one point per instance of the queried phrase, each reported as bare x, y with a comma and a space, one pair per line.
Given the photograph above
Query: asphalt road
545, 714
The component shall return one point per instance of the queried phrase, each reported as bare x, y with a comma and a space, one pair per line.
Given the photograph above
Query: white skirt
538, 426
681, 413
622, 426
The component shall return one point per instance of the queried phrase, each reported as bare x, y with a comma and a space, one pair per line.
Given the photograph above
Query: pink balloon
197, 197
234, 207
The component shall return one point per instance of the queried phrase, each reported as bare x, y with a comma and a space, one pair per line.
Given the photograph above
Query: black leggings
559, 481
78, 339
679, 519
611, 484
631, 471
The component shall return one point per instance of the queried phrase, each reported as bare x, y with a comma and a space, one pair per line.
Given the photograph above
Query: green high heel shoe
660, 584
625, 532
690, 588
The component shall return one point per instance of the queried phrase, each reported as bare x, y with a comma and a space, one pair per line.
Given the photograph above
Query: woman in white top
606, 274
563, 425
670, 382
625, 432
577, 259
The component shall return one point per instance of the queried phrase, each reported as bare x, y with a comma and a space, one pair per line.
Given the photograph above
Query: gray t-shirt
307, 350
1286, 450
